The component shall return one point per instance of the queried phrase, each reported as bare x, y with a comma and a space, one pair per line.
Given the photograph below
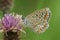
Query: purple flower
9, 21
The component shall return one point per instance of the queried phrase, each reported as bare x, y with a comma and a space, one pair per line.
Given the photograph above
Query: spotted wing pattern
38, 20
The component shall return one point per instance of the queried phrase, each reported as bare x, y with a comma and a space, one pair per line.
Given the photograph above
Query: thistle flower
12, 22
9, 21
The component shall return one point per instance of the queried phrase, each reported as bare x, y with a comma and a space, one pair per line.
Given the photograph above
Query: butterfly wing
38, 20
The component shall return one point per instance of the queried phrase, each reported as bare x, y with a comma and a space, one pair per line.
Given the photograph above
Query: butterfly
38, 20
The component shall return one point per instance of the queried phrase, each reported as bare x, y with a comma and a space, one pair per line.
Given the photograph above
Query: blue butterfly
38, 20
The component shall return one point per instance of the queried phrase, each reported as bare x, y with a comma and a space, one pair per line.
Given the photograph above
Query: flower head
10, 21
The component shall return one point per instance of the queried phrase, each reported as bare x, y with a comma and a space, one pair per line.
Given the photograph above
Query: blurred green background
25, 7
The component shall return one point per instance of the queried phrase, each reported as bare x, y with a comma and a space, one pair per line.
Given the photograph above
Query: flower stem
11, 35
